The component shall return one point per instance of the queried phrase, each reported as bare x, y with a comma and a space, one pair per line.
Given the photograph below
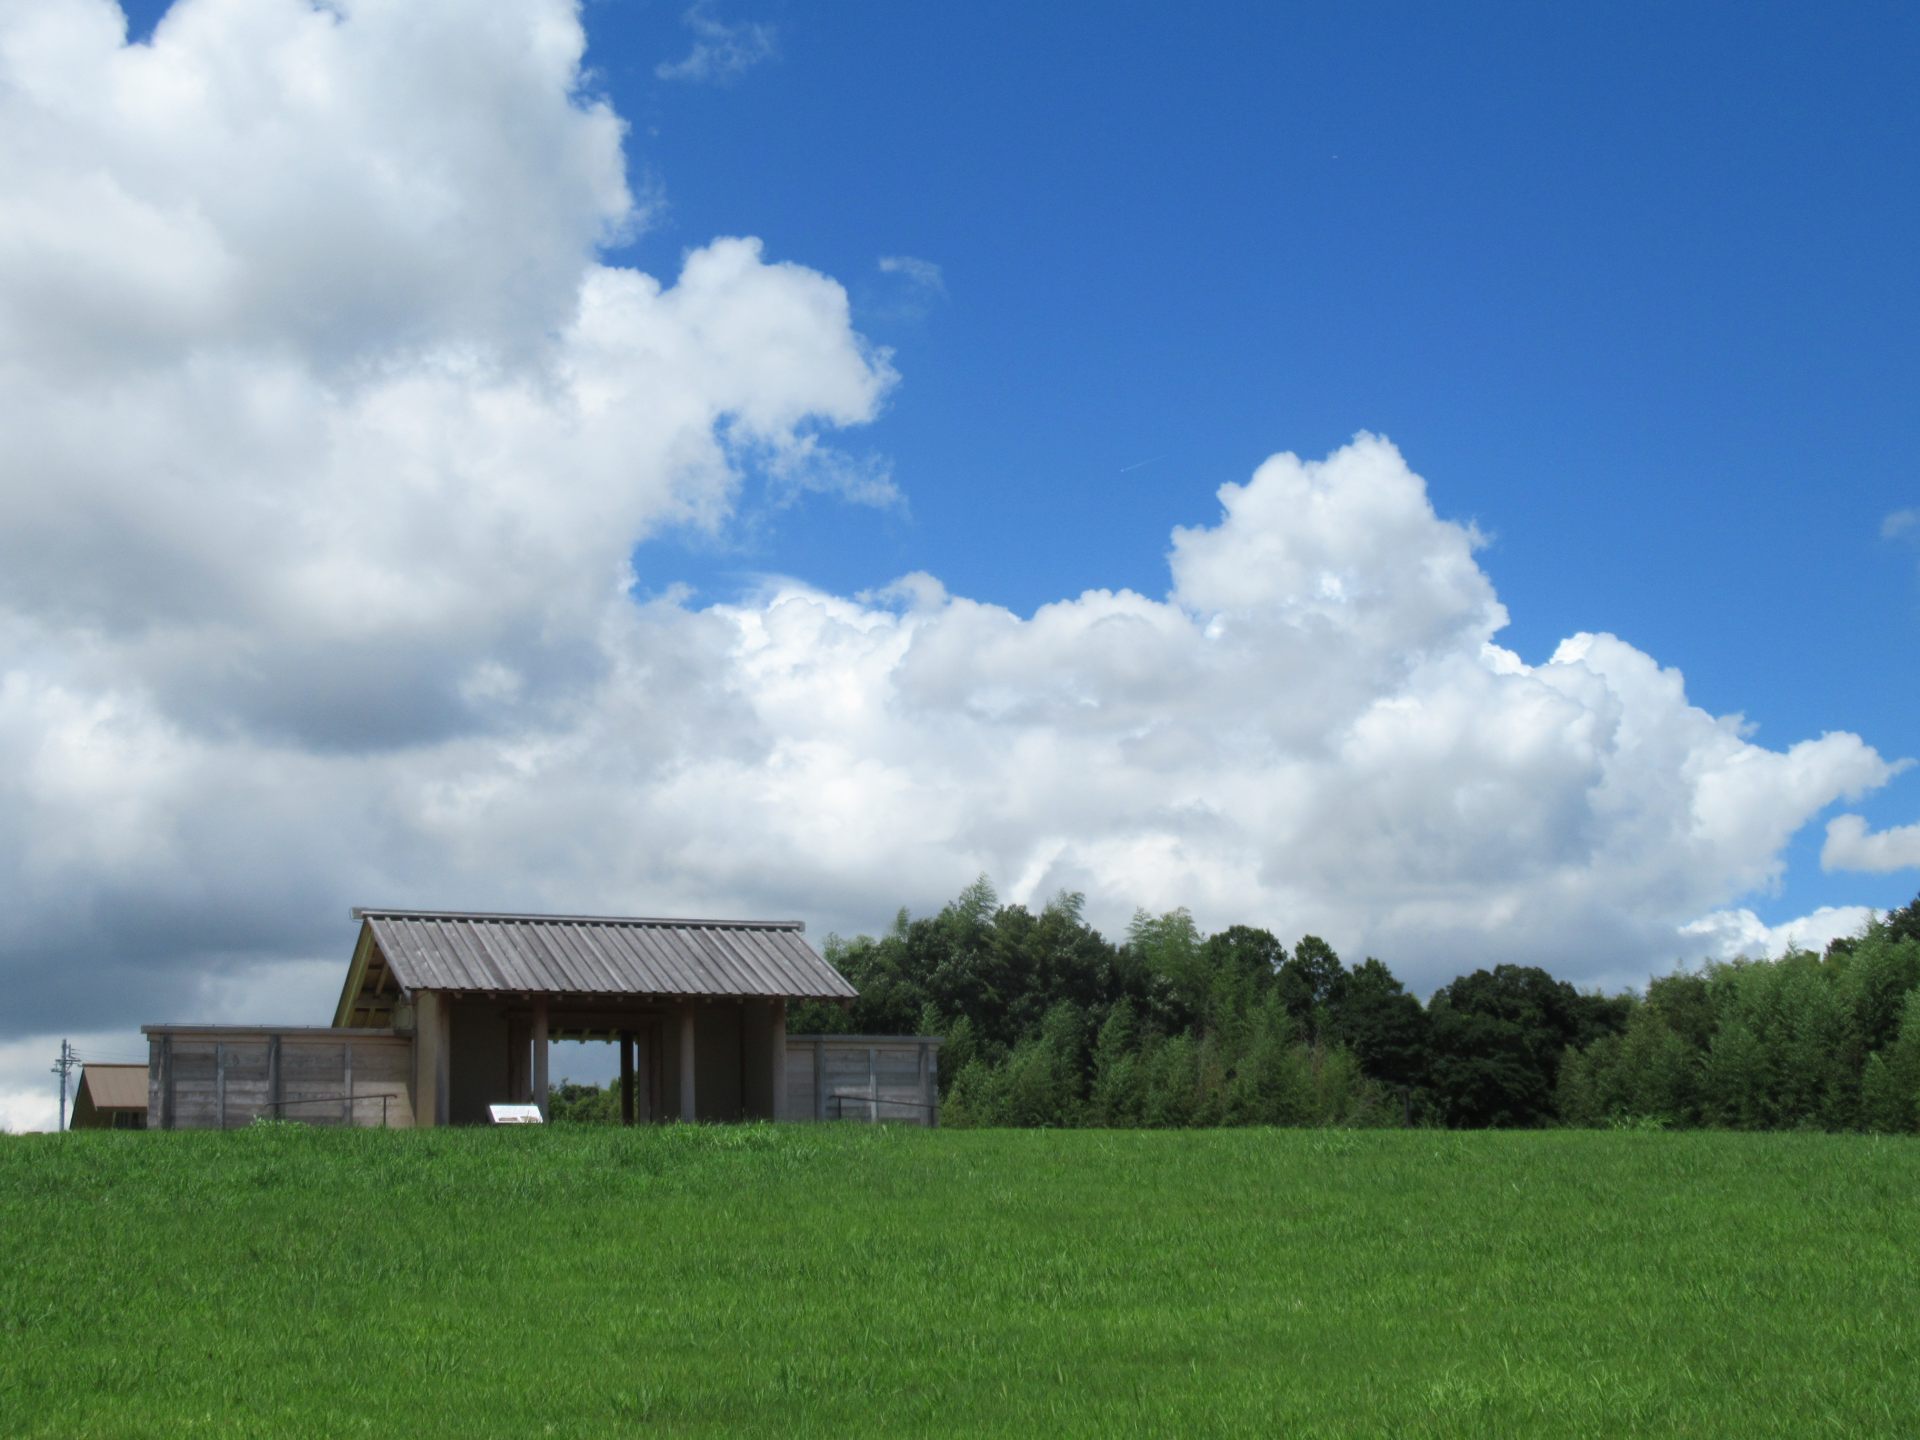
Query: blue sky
1632, 288
336, 420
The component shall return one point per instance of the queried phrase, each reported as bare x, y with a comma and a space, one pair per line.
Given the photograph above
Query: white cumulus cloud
1737, 934
329, 438
1851, 846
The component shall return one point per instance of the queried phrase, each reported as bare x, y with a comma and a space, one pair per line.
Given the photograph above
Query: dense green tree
1497, 1037
1168, 953
1172, 1082
574, 1102
1118, 1093
1240, 965
1896, 1099
1738, 1078
1048, 1023
1883, 1108
1384, 1026
1576, 1094
1902, 924
1660, 1075
1484, 1072
1312, 984
1804, 1040
1684, 1003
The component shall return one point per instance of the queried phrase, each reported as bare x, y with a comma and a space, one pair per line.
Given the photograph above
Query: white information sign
516, 1114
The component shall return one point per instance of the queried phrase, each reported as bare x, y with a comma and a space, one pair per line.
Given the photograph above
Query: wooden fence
869, 1078
221, 1077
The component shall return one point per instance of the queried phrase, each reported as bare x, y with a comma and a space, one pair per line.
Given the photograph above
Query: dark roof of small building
114, 1087
602, 955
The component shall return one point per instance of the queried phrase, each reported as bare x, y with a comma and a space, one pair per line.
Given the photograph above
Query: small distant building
110, 1097
444, 1014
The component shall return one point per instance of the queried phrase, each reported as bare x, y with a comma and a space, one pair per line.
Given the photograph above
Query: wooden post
429, 1041
220, 1082
777, 1043
443, 1063
873, 1086
346, 1074
626, 1077
687, 1112
819, 1078
519, 1060
656, 1049
166, 1082
740, 1046
540, 1054
926, 1112
276, 1090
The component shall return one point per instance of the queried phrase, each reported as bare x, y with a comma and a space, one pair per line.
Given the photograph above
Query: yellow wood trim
356, 977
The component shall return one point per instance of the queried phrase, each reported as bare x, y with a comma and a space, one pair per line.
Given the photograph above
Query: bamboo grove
1048, 1023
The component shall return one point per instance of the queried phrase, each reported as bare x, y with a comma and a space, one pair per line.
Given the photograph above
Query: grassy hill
834, 1280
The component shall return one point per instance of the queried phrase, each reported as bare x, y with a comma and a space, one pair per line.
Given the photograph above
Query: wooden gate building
444, 1014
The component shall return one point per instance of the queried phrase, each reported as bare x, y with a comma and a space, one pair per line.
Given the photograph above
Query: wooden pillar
166, 1082
520, 1060
540, 1054
655, 1053
430, 1032
443, 1065
777, 1044
626, 1077
687, 1112
740, 1044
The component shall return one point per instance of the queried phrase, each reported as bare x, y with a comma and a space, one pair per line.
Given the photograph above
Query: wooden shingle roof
594, 955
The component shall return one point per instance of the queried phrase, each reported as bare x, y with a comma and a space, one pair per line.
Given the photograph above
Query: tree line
1047, 1022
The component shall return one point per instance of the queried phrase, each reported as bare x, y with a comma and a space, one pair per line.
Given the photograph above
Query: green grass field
834, 1280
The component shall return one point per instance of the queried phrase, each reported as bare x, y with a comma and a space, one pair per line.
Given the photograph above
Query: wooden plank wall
214, 1082
859, 1077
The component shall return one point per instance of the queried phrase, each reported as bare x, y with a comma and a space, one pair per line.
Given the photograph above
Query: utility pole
63, 1067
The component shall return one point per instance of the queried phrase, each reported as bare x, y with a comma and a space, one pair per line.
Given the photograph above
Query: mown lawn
836, 1280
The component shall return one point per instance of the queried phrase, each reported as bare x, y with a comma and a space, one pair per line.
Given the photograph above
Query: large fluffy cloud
320, 416
329, 436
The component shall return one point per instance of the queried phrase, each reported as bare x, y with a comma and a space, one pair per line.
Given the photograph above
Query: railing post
820, 1079
922, 1048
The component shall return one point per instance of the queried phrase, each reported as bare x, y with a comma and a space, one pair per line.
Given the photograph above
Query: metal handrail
383, 1097
876, 1101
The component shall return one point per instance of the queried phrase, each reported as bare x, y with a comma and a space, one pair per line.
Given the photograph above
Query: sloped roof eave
602, 955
